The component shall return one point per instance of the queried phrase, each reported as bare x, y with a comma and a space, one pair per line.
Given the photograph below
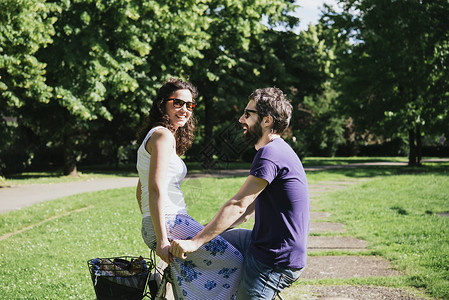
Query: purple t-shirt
282, 217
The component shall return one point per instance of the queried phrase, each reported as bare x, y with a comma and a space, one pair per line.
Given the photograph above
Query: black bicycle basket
120, 278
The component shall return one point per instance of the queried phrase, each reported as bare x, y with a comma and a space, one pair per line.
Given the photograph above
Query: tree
25, 28
318, 126
229, 69
94, 65
97, 65
393, 77
106, 62
302, 66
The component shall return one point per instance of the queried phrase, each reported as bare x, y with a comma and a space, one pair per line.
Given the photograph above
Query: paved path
16, 197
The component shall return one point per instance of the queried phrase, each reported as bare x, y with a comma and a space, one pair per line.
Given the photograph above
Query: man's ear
268, 121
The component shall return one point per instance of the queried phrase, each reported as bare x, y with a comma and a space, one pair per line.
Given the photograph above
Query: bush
14, 151
435, 151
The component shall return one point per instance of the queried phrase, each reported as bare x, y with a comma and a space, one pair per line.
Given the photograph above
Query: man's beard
253, 134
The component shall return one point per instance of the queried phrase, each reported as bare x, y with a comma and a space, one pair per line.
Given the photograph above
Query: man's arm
233, 210
248, 214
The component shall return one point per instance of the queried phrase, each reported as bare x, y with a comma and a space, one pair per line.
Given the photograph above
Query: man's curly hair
272, 101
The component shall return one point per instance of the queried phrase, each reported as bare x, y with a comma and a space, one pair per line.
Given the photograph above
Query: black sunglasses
178, 103
247, 111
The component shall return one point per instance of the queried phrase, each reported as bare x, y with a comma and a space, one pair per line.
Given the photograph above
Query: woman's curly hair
158, 115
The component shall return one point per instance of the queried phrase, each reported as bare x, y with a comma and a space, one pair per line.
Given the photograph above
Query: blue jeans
258, 281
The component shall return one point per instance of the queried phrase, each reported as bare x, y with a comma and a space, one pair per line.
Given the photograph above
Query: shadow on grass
309, 162
34, 175
196, 167
342, 167
121, 171
374, 171
115, 172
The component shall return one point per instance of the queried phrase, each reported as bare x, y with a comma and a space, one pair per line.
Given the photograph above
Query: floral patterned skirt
210, 273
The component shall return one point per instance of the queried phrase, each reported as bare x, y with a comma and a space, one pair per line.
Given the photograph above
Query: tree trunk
412, 148
418, 146
69, 168
415, 144
69, 161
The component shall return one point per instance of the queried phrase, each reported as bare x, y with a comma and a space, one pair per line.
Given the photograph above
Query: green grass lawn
49, 261
398, 217
395, 211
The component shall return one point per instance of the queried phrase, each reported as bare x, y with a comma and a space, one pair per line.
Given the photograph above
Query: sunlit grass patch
396, 215
50, 261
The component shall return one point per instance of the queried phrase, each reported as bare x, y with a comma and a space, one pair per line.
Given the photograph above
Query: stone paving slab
348, 292
363, 293
347, 267
319, 215
338, 183
341, 182
335, 243
327, 188
316, 193
323, 227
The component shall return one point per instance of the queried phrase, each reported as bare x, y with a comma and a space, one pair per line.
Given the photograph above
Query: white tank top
177, 170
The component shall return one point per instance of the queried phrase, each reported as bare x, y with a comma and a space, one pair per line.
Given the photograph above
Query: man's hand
180, 248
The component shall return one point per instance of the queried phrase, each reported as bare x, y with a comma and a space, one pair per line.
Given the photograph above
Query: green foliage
92, 67
238, 58
392, 77
26, 28
318, 128
80, 75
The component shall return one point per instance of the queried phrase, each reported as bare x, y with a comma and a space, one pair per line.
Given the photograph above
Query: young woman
213, 271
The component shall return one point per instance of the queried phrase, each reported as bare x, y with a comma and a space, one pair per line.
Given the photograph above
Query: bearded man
276, 191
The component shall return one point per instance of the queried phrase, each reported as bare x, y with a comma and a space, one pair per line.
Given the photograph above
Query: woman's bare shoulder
162, 137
